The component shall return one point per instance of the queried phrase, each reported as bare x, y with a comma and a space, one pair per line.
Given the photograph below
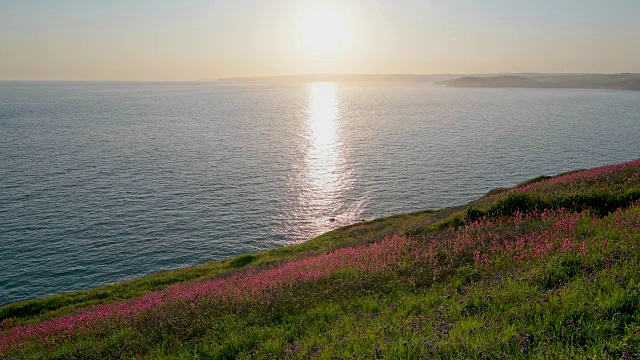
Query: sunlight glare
324, 31
325, 146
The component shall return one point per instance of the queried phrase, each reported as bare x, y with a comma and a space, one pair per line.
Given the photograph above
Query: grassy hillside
548, 269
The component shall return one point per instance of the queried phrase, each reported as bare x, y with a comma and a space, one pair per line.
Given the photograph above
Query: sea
102, 182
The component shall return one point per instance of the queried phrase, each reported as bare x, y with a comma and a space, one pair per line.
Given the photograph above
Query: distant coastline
619, 81
596, 81
344, 78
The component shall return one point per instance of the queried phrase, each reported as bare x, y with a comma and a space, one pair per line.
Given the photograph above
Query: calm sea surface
102, 182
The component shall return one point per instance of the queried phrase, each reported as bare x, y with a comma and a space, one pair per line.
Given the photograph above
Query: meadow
547, 269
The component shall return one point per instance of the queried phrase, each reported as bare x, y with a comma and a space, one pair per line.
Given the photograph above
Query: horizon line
248, 77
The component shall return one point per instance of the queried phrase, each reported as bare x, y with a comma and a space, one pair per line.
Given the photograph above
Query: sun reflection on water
325, 180
324, 148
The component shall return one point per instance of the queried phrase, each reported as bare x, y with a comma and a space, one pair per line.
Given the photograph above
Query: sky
196, 39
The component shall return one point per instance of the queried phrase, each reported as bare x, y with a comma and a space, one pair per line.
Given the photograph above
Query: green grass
578, 301
57, 305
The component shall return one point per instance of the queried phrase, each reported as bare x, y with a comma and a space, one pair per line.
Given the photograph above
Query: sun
323, 31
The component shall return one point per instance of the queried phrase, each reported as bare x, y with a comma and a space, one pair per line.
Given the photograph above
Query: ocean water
102, 182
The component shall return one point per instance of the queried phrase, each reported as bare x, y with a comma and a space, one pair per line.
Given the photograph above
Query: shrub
243, 260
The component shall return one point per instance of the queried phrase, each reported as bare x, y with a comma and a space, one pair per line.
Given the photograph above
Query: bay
103, 182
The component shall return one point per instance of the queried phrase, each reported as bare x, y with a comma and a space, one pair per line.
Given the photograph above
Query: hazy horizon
311, 75
76, 40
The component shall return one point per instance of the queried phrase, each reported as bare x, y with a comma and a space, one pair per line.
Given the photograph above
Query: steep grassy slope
548, 269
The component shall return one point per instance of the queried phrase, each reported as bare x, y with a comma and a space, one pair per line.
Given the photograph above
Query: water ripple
105, 182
